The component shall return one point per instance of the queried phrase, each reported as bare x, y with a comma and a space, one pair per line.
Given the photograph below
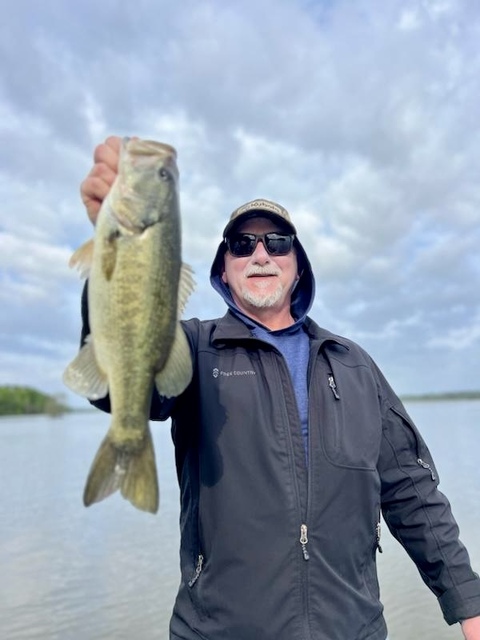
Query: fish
138, 287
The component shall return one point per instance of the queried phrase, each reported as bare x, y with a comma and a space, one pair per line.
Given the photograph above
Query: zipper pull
198, 571
333, 387
379, 535
425, 465
304, 541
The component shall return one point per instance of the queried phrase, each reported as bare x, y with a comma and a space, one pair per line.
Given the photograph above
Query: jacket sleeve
419, 515
160, 409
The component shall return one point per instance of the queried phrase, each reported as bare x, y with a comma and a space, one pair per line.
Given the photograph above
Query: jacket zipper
378, 536
302, 520
420, 462
198, 571
333, 386
292, 453
304, 537
425, 465
304, 541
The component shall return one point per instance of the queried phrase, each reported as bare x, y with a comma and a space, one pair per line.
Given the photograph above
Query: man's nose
260, 255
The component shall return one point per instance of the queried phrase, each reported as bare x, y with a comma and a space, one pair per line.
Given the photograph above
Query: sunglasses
242, 245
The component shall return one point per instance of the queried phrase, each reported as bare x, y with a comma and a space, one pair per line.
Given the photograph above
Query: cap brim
259, 213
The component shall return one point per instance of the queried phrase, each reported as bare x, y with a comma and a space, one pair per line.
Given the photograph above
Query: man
289, 445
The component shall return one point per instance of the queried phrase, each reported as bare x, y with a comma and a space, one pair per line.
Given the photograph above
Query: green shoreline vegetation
438, 397
17, 400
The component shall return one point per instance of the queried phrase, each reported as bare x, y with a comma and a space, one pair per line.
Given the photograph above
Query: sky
361, 117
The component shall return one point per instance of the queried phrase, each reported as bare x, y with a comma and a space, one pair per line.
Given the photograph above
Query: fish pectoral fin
82, 259
175, 376
185, 287
83, 375
130, 469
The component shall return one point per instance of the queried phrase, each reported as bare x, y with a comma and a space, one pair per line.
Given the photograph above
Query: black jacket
275, 547
248, 496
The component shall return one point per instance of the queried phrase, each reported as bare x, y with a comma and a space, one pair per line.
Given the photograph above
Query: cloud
361, 118
458, 339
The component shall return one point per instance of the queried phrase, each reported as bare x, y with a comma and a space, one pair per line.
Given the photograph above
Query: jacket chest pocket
352, 428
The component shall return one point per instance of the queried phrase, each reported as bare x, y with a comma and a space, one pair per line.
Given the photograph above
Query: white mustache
256, 270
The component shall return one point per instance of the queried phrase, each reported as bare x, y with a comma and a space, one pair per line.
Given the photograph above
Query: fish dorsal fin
83, 375
82, 259
175, 376
185, 287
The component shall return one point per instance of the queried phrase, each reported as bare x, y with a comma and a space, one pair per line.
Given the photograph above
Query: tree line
16, 400
448, 395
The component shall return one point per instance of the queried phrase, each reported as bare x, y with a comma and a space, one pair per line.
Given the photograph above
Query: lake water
111, 571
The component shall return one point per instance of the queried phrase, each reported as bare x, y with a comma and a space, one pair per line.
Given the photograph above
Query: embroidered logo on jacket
227, 374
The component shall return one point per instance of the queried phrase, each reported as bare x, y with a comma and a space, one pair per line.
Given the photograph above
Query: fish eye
164, 174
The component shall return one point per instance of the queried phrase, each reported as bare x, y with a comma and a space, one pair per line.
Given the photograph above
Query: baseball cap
260, 208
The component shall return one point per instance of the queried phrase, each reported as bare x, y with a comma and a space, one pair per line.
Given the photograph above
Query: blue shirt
294, 344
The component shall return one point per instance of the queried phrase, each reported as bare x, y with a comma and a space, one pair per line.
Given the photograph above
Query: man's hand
96, 185
471, 628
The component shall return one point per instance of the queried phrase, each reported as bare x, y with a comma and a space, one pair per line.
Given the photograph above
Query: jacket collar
231, 327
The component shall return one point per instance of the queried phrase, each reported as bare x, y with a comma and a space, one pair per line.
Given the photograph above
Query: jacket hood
302, 296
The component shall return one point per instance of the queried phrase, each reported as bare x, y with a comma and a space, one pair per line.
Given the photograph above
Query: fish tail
132, 470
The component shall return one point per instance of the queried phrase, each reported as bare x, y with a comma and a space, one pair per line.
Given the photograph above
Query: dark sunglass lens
277, 244
242, 244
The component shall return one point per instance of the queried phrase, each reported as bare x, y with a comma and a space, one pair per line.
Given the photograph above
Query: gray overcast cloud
361, 117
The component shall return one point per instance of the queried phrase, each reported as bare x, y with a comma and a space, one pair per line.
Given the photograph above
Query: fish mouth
148, 153
147, 169
136, 146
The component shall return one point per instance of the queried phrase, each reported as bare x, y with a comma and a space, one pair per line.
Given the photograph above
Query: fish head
146, 185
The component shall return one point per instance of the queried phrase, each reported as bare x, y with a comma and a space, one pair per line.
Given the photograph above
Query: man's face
260, 281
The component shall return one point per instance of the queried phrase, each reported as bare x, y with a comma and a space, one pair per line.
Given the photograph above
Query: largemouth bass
137, 290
